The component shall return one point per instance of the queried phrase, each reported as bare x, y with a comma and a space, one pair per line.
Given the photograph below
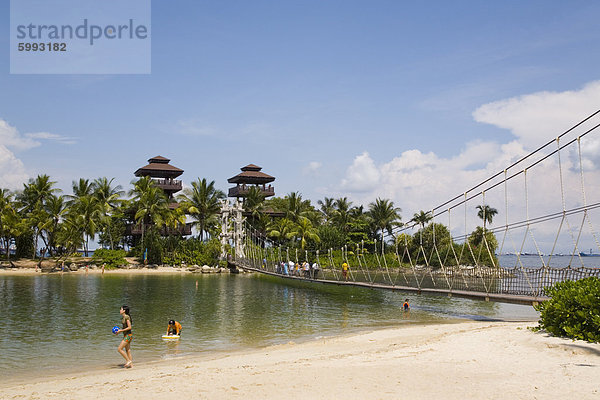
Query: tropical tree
109, 198
81, 188
87, 215
327, 208
296, 207
384, 216
254, 205
422, 218
69, 237
280, 229
56, 208
304, 231
342, 213
150, 202
33, 200
202, 203
7, 217
486, 213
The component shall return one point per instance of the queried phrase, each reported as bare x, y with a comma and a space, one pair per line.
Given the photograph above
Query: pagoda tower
251, 175
163, 174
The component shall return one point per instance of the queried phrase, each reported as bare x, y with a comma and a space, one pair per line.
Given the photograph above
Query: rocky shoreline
85, 265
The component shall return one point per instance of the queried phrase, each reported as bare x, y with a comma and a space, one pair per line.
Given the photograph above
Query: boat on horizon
590, 254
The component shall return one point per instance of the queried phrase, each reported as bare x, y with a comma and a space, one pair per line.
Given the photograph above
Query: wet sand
466, 360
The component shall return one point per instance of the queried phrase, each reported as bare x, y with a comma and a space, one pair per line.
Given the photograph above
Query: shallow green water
61, 323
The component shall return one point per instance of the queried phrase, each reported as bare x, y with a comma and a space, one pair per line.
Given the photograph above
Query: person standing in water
406, 306
124, 348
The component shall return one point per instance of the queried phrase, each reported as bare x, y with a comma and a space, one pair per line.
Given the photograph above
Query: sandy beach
466, 360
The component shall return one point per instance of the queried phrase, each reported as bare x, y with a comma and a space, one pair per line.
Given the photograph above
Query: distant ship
590, 254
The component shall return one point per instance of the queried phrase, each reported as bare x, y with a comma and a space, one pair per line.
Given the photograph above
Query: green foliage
154, 246
331, 237
483, 250
193, 251
111, 258
573, 310
426, 239
24, 245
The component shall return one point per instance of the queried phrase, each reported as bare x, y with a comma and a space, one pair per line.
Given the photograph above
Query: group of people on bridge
290, 268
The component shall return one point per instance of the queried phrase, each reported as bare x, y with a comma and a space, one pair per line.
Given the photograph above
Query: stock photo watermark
80, 37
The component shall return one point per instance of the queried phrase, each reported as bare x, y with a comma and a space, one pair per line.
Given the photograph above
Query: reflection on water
62, 322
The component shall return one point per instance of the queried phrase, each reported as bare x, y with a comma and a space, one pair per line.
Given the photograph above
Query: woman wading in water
125, 347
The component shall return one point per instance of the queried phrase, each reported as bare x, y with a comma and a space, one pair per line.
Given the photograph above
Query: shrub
573, 310
112, 258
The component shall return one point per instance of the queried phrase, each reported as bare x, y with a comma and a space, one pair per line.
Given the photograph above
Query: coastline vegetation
573, 310
39, 222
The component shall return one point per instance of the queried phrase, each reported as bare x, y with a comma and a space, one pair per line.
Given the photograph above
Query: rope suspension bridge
548, 213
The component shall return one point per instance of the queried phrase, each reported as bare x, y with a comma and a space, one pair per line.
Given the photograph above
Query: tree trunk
143, 239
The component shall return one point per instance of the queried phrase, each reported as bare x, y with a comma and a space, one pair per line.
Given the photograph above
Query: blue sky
328, 96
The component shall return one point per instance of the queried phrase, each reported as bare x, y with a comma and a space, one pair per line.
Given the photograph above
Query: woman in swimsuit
125, 347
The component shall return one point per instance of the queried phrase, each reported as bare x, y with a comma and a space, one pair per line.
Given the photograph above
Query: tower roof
159, 160
159, 167
251, 174
251, 167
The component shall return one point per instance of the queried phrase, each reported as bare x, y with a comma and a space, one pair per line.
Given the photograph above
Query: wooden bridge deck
497, 297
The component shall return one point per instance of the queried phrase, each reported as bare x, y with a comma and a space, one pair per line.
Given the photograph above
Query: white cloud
362, 175
420, 181
312, 168
10, 137
538, 117
12, 170
51, 136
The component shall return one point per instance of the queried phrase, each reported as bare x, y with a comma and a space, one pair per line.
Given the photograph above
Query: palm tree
33, 200
280, 229
327, 208
81, 188
55, 209
109, 198
486, 213
342, 214
422, 218
7, 210
304, 230
202, 203
254, 205
384, 216
37, 191
150, 202
87, 211
296, 207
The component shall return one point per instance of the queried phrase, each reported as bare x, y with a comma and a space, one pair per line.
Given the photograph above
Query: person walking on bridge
306, 268
345, 270
315, 270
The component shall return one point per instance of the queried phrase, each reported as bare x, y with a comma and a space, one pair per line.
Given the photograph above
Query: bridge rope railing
449, 261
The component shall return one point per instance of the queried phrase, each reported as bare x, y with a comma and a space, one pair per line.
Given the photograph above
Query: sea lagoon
61, 323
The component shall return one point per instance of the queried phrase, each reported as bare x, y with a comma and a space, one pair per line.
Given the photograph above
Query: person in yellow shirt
174, 328
345, 270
